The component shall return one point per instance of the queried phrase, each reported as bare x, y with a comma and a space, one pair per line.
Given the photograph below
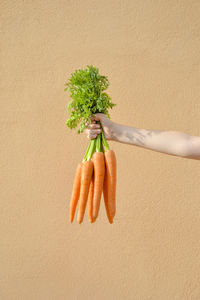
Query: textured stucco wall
150, 51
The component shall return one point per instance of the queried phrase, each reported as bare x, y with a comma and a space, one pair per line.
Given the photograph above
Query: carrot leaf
87, 90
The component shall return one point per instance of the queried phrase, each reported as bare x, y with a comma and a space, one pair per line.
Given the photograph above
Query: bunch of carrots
96, 174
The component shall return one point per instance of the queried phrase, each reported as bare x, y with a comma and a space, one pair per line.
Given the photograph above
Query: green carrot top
87, 90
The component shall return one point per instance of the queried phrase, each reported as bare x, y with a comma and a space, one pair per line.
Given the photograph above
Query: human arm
168, 142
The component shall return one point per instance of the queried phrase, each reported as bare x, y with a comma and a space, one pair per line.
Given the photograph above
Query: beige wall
150, 51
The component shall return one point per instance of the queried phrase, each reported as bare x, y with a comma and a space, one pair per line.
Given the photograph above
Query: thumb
99, 117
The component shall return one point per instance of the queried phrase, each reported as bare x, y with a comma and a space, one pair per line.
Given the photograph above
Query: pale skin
168, 142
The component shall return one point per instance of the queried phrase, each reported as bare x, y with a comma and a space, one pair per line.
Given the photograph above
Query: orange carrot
90, 199
75, 192
111, 167
87, 169
99, 172
105, 195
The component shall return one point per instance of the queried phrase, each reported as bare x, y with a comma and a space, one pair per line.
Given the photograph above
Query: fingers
98, 117
92, 133
93, 129
92, 122
93, 126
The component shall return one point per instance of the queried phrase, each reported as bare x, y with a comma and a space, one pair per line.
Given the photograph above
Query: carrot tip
94, 217
80, 221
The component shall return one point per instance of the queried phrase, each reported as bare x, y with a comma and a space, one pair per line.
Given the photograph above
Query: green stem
105, 143
90, 150
98, 143
86, 153
102, 147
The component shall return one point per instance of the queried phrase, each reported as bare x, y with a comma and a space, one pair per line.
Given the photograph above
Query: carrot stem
105, 143
86, 153
91, 149
98, 143
102, 147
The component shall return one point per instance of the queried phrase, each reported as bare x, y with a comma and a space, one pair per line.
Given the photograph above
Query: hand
93, 129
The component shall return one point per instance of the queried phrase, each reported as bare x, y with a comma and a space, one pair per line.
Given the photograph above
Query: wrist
127, 135
115, 130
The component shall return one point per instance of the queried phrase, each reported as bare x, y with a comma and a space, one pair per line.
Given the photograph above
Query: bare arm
168, 142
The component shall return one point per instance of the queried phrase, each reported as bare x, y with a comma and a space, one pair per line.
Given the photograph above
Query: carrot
99, 172
105, 195
75, 192
87, 169
111, 167
90, 199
